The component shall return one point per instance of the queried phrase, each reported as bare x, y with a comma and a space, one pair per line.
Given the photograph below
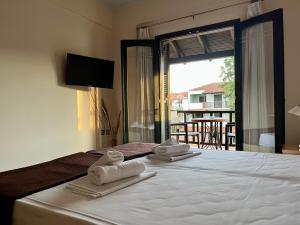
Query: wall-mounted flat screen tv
88, 71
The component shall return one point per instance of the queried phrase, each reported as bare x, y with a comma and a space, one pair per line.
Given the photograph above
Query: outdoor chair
182, 129
229, 135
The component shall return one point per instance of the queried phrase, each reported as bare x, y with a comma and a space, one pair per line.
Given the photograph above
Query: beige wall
40, 118
127, 17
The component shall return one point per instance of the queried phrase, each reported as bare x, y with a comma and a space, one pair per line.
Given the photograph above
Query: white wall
127, 17
40, 118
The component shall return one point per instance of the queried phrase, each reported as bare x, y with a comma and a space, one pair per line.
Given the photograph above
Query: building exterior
207, 97
179, 101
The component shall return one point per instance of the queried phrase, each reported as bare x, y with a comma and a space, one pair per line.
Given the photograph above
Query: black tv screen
88, 71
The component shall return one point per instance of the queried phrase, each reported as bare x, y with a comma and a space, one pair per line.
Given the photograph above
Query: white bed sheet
216, 187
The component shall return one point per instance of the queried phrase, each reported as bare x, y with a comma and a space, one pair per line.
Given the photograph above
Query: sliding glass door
257, 45
138, 62
260, 83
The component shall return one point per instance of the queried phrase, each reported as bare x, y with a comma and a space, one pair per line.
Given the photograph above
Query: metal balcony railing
215, 105
188, 115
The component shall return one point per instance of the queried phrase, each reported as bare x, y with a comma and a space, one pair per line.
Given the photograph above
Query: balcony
209, 105
187, 116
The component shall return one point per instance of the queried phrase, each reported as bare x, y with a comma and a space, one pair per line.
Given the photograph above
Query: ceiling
117, 3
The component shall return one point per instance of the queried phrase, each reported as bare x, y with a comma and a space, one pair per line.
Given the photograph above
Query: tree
227, 75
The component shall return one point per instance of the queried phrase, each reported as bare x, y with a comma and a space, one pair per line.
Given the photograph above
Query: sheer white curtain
258, 92
145, 89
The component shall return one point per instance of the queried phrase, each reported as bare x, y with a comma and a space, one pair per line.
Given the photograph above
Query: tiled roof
178, 96
210, 88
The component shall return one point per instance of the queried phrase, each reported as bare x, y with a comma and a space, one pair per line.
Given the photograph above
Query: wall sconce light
295, 110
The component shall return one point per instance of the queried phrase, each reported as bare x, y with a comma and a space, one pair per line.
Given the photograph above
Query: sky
184, 77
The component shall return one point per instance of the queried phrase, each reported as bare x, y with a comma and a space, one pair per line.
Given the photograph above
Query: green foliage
227, 75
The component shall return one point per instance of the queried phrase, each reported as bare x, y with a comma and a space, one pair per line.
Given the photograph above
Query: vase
113, 141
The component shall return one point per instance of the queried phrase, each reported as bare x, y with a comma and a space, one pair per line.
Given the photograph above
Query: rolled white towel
99, 175
172, 150
112, 157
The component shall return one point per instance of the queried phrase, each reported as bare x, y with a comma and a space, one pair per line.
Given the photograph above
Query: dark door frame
276, 17
155, 44
205, 28
124, 45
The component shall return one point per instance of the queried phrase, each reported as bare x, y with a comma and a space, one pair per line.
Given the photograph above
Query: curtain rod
152, 24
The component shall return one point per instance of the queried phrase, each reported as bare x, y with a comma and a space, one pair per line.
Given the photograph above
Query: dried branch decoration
112, 129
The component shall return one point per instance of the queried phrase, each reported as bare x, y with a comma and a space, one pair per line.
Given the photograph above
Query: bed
216, 187
130, 151
18, 183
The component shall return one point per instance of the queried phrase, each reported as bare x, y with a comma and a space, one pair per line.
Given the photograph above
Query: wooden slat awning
207, 45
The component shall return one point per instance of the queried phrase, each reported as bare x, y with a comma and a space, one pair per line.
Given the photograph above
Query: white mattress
217, 187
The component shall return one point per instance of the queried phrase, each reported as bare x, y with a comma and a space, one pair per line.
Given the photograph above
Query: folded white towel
173, 158
84, 187
172, 150
99, 175
111, 157
169, 142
